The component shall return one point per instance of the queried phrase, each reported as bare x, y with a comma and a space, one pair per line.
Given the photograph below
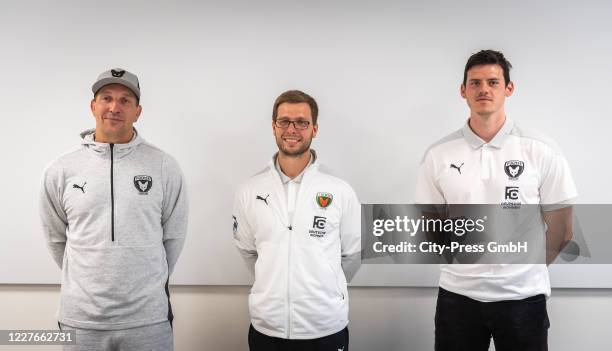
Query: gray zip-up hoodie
115, 219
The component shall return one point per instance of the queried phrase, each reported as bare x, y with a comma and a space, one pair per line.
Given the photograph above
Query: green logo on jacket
324, 199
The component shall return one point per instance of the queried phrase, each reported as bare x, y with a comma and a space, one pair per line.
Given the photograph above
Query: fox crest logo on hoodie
143, 184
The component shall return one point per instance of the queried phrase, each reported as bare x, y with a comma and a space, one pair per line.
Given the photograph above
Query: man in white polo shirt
493, 161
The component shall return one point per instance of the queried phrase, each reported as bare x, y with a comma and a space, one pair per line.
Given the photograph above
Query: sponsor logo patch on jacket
318, 227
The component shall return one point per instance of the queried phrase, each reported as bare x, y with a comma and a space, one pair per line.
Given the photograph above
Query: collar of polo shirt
475, 141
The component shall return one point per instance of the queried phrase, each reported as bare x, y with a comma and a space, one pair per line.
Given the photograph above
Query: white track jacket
300, 289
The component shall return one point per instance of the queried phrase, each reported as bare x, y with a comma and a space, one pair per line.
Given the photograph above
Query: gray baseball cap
117, 76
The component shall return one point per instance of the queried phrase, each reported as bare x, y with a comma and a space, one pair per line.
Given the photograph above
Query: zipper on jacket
112, 195
283, 217
290, 227
289, 283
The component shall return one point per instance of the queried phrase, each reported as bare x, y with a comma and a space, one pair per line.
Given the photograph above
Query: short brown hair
488, 57
296, 97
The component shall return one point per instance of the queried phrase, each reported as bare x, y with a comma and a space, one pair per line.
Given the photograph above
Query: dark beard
296, 153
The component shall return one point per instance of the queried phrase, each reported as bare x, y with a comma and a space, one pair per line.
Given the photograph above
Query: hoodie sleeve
175, 209
350, 235
243, 233
52, 214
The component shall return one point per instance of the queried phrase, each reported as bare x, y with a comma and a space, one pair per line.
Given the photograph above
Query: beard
293, 152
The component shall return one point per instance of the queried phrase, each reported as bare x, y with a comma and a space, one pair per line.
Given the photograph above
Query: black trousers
463, 324
335, 342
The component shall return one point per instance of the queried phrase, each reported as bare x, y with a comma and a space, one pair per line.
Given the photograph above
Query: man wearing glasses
298, 229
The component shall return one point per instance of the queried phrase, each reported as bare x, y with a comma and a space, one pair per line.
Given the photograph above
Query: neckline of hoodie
120, 151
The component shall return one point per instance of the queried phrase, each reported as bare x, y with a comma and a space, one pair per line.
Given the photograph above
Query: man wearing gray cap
114, 215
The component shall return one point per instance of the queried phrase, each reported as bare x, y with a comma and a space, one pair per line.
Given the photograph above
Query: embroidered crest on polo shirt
514, 169
143, 184
324, 199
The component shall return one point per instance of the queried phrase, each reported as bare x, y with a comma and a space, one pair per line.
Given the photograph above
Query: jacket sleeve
175, 210
243, 233
350, 235
52, 214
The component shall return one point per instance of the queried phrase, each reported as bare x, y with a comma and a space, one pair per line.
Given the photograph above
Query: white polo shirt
515, 167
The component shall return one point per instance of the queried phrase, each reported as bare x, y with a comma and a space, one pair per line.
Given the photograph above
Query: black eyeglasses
284, 123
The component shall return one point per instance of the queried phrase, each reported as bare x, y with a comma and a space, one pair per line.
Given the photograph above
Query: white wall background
386, 75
